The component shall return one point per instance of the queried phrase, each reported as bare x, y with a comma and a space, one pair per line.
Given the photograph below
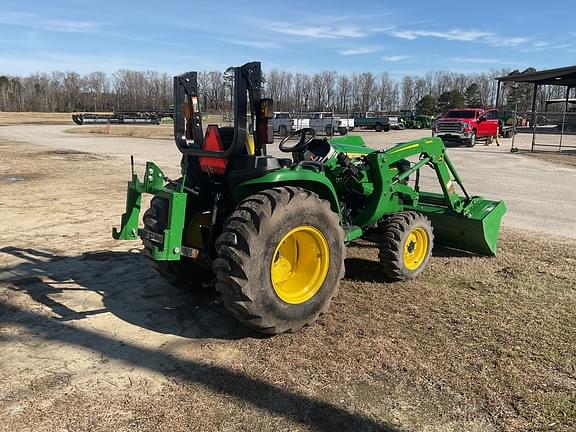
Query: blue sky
397, 37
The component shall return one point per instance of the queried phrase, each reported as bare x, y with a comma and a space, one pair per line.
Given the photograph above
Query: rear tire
342, 131
386, 128
283, 131
378, 127
250, 250
184, 274
406, 245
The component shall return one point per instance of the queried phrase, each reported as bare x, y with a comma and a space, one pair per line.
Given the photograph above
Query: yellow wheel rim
193, 234
300, 264
415, 248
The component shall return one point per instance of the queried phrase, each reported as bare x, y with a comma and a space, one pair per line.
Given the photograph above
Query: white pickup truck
345, 125
300, 123
281, 122
324, 123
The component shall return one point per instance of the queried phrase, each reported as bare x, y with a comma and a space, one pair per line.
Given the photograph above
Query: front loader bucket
476, 230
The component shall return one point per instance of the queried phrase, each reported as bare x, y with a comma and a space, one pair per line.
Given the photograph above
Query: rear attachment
169, 245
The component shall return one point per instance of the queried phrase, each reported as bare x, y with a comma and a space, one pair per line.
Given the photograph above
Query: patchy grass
13, 118
474, 344
141, 131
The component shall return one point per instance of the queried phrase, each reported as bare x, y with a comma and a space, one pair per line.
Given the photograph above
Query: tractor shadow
361, 269
120, 283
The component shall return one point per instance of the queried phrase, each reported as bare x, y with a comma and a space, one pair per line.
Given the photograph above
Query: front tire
471, 142
406, 245
280, 259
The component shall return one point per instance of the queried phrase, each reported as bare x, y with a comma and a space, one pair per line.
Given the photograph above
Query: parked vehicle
281, 122
369, 120
299, 123
412, 120
345, 125
467, 125
123, 117
395, 122
324, 123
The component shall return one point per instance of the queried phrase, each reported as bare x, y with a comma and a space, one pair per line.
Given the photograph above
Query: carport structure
565, 77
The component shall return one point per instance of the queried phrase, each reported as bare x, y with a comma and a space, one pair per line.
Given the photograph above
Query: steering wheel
302, 144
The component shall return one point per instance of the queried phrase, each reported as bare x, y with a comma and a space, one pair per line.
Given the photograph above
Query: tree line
430, 93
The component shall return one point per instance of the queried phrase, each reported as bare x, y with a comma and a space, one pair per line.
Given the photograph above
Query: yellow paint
355, 155
405, 148
300, 264
250, 144
415, 248
193, 235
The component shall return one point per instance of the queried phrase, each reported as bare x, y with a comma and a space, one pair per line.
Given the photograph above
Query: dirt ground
91, 339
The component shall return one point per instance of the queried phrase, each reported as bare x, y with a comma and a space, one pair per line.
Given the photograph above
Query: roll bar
188, 125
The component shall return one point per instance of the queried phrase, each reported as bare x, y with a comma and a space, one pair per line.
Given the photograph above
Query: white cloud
35, 21
459, 35
489, 38
358, 51
394, 58
481, 60
315, 31
543, 46
509, 42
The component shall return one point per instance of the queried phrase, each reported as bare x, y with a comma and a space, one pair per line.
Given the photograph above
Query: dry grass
13, 118
141, 131
474, 344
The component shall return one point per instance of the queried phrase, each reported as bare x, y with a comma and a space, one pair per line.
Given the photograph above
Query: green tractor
271, 232
411, 120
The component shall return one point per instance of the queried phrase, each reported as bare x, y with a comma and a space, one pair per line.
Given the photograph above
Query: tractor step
352, 232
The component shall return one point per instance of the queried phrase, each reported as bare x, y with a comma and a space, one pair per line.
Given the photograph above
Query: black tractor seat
245, 167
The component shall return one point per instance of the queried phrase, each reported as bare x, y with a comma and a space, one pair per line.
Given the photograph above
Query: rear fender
303, 178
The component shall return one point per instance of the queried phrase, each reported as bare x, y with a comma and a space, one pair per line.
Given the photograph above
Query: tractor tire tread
234, 280
391, 244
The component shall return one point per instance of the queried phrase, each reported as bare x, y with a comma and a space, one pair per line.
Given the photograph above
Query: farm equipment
272, 231
411, 120
122, 117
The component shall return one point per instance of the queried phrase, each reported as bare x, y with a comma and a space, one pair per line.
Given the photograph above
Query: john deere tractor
270, 233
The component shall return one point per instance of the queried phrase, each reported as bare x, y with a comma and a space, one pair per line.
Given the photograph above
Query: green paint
154, 184
378, 185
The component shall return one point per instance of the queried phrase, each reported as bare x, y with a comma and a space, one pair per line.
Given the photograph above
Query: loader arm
455, 217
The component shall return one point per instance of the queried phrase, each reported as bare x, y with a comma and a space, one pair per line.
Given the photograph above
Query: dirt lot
93, 340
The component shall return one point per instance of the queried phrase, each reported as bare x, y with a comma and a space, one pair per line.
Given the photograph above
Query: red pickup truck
467, 125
